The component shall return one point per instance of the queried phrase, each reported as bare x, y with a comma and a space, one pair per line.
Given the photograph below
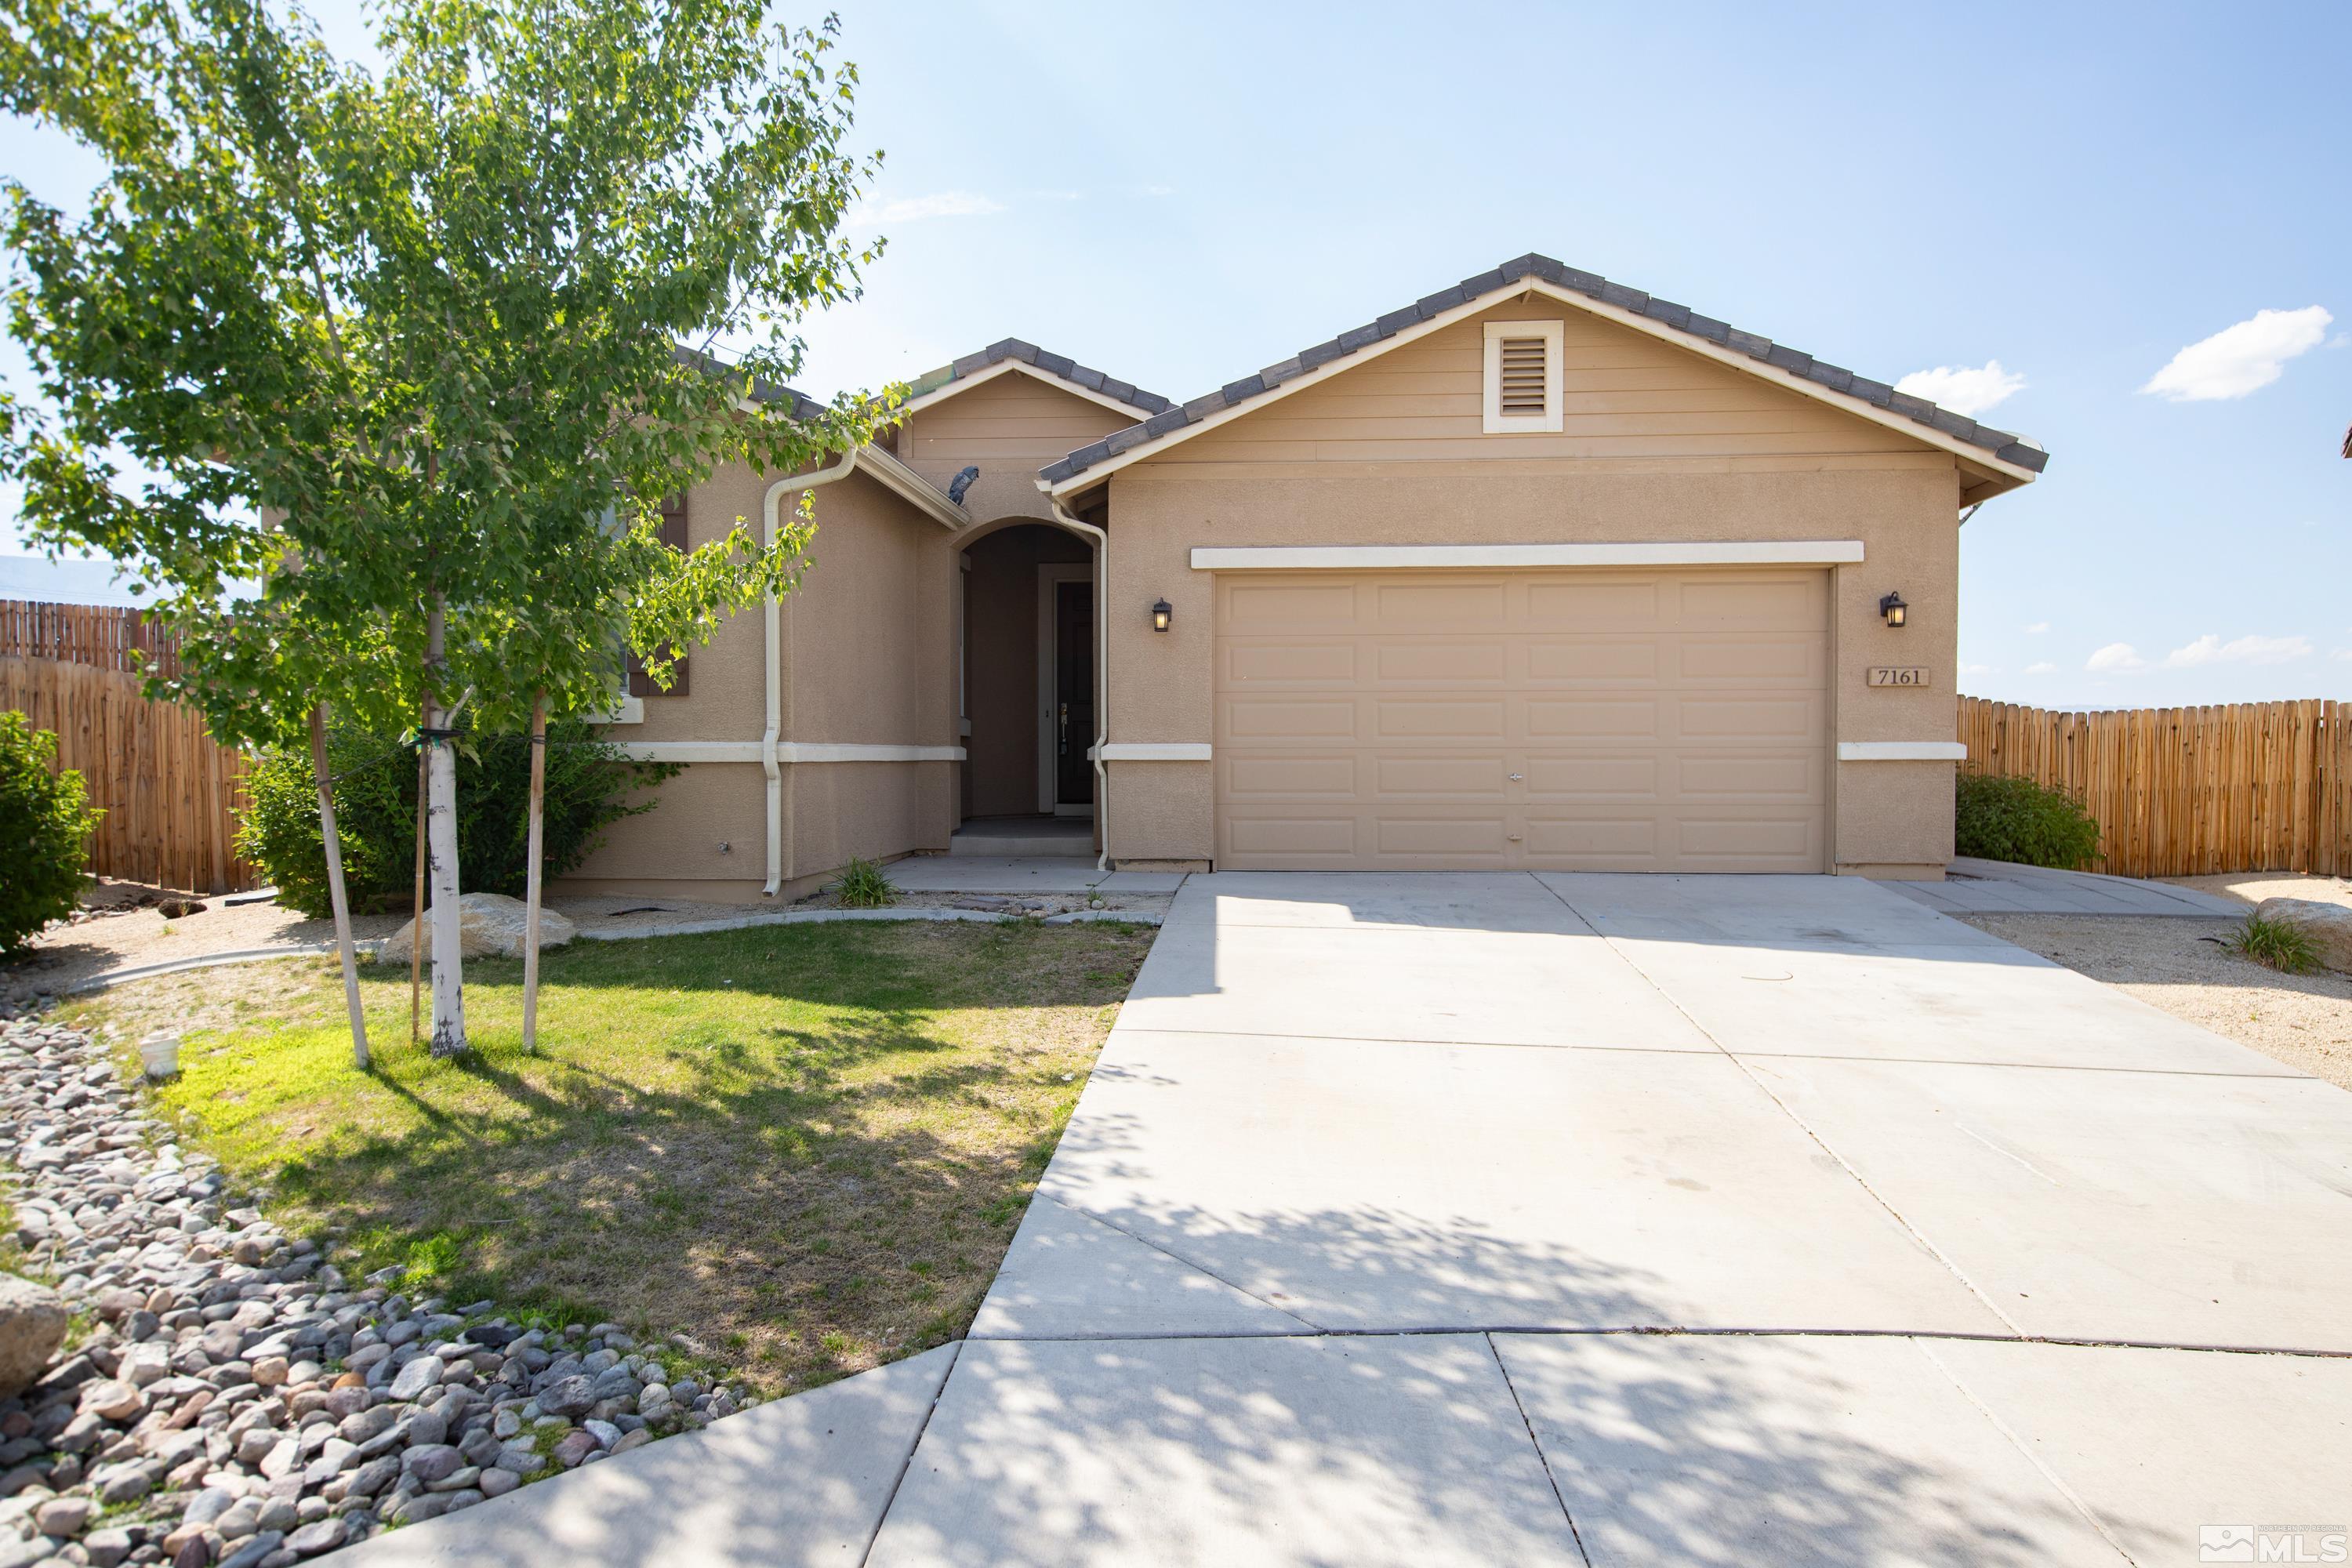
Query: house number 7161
1888, 675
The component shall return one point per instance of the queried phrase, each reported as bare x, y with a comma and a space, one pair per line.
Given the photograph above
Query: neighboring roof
1663, 318
1011, 354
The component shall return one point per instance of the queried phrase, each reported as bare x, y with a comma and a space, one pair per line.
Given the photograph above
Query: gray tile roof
763, 390
1052, 364
2004, 445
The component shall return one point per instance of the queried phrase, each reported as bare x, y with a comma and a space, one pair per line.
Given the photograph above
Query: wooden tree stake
416, 907
335, 884
530, 891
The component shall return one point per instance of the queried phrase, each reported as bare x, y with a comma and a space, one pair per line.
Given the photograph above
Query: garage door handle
1514, 838
1516, 777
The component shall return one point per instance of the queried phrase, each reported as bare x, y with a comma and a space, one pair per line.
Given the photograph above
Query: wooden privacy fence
103, 635
169, 791
2185, 792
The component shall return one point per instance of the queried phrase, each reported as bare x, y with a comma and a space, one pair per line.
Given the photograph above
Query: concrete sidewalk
1998, 887
1360, 1243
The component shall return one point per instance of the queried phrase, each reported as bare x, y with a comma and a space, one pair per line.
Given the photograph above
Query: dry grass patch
805, 1147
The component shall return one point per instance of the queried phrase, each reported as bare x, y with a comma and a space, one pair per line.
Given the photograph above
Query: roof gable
1012, 355
2002, 451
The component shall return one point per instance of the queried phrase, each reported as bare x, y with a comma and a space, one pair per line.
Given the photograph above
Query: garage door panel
1254, 718
1794, 778
1757, 841
1437, 719
1273, 662
1600, 776
1731, 603
1290, 606
1593, 717
1399, 605
1467, 838
1789, 721
1591, 661
1591, 605
1400, 778
1750, 661
1440, 661
1599, 721
1618, 843
1248, 778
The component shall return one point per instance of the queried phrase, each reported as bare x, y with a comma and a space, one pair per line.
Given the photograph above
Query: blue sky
1179, 194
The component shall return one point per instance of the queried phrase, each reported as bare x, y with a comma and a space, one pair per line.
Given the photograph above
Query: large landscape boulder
492, 925
32, 1326
2329, 926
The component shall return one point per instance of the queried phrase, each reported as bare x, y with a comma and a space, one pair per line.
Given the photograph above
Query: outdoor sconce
1159, 614
1893, 609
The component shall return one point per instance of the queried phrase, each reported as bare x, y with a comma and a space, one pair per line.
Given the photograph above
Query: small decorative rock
2329, 927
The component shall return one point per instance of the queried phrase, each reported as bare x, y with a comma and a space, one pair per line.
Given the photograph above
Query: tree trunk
335, 884
416, 901
530, 891
441, 855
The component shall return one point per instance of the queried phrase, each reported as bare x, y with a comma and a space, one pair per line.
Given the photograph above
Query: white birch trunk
335, 898
531, 892
441, 859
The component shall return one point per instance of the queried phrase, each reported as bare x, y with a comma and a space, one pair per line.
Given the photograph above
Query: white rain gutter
1062, 515
771, 525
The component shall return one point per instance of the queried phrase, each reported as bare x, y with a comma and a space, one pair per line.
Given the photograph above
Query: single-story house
1535, 572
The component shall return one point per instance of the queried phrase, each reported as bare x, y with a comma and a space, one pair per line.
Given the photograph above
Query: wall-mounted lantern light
1893, 609
1159, 614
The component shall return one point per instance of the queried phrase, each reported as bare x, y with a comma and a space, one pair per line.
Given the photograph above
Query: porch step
1025, 835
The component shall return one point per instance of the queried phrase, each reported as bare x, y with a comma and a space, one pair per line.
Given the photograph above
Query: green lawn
806, 1147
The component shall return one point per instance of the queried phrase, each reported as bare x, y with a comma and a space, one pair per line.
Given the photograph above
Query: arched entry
1027, 695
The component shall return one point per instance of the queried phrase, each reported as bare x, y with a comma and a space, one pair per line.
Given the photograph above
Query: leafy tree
45, 816
405, 346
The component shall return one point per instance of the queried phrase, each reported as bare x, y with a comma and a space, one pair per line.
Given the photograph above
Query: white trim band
1902, 751
1662, 553
786, 752
1155, 751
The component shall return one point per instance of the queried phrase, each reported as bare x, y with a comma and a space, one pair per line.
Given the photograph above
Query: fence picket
2257, 786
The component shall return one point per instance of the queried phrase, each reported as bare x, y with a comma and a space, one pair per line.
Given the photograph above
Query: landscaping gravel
234, 1402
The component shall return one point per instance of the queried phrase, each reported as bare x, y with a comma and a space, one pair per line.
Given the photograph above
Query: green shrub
2283, 947
2020, 821
590, 785
43, 818
864, 887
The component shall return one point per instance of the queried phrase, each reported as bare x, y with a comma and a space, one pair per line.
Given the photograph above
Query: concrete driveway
1578, 1219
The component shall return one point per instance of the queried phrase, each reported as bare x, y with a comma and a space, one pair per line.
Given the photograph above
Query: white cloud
913, 209
2037, 628
2116, 656
2241, 359
1961, 389
2043, 667
1967, 669
2342, 653
2211, 650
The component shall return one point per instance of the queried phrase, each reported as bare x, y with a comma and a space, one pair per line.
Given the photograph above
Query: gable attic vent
1522, 376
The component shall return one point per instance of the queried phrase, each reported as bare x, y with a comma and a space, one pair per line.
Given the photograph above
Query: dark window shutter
673, 533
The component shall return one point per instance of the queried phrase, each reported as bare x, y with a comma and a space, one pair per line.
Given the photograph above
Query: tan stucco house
1537, 572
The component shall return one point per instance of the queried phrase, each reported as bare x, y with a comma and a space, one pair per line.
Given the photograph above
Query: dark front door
1074, 692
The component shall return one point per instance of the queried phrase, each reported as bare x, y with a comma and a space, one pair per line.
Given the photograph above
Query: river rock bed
234, 1401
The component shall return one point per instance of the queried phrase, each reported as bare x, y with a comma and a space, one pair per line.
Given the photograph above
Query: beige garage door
1599, 721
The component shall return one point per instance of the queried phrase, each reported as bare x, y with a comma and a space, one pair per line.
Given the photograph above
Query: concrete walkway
1997, 886
1592, 1220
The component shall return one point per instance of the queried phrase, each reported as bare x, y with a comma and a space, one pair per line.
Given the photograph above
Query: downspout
771, 524
1102, 673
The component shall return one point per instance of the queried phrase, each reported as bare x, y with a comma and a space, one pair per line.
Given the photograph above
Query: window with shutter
674, 534
1522, 376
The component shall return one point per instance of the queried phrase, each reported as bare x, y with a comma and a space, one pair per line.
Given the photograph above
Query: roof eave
2014, 458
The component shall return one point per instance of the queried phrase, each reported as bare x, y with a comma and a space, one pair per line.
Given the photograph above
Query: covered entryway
1027, 696
1584, 720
